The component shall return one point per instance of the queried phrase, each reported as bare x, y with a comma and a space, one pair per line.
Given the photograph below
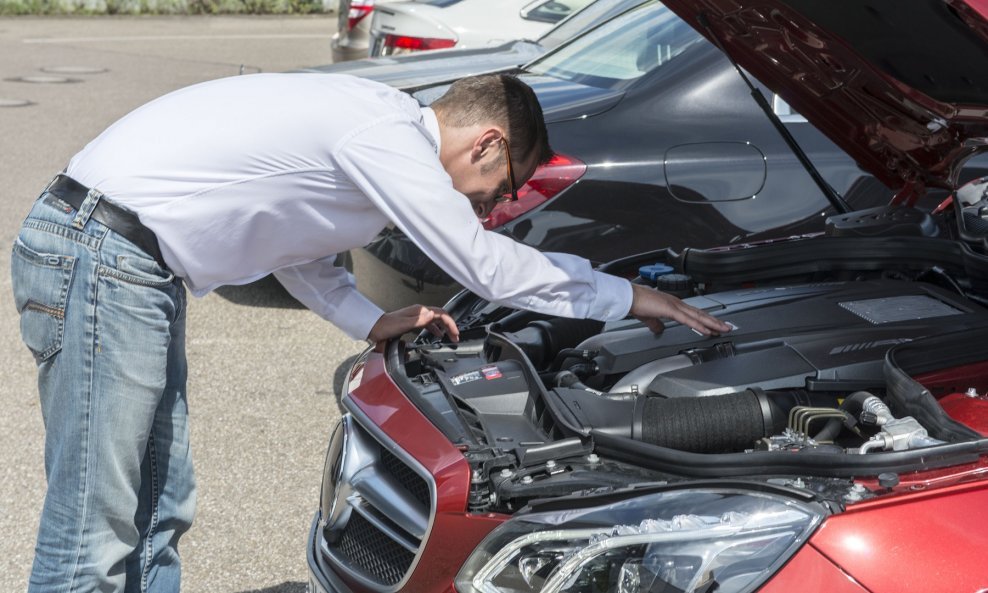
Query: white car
416, 25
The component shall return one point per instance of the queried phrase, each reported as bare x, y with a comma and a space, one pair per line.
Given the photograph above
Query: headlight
685, 541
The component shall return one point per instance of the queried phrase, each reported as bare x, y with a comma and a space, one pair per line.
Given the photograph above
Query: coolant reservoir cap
674, 283
653, 271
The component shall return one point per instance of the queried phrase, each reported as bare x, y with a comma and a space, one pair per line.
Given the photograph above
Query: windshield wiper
832, 196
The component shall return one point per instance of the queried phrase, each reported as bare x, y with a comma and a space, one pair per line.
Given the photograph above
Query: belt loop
86, 209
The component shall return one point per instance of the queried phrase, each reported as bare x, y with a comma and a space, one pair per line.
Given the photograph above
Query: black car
658, 142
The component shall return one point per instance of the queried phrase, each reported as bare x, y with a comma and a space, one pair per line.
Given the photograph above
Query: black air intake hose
717, 424
710, 424
542, 340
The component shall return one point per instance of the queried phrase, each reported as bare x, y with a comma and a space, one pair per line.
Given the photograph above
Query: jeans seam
87, 487
153, 524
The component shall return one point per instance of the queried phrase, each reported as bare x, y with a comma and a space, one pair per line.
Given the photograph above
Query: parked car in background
833, 442
657, 140
429, 67
414, 25
418, 25
352, 38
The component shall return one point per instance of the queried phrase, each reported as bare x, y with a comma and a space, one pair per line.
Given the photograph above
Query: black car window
622, 50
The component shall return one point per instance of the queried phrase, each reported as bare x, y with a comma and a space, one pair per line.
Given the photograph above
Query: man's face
487, 181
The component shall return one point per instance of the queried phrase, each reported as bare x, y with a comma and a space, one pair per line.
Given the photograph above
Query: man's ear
487, 141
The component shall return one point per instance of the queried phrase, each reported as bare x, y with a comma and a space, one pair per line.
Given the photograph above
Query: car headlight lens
685, 541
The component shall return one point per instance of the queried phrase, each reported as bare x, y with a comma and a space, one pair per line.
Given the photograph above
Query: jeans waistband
119, 220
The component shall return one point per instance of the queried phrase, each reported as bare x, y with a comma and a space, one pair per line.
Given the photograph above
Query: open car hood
902, 88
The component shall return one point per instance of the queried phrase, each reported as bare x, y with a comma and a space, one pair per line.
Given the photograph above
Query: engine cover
821, 337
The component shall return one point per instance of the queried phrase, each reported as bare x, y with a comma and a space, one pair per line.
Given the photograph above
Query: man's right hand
396, 323
650, 306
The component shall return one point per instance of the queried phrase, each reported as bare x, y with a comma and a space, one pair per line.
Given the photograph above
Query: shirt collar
432, 125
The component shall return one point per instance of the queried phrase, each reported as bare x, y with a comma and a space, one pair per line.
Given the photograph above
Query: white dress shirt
278, 173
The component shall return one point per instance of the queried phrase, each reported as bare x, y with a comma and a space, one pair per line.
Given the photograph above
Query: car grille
383, 509
374, 552
407, 477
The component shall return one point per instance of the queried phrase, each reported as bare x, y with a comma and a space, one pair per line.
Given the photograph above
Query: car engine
833, 370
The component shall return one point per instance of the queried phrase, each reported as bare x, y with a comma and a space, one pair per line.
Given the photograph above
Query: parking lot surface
261, 368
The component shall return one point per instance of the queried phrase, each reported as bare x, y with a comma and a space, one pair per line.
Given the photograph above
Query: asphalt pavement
261, 368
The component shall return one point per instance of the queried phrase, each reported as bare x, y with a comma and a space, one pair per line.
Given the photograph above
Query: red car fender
927, 542
809, 571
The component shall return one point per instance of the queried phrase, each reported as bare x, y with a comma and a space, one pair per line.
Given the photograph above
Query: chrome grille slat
380, 491
384, 525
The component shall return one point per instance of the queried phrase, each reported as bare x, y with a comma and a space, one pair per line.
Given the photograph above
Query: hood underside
902, 87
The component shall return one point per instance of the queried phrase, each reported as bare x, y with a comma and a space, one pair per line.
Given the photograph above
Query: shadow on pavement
286, 587
266, 292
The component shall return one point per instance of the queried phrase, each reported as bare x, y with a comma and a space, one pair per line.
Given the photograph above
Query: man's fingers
432, 319
446, 321
441, 323
703, 323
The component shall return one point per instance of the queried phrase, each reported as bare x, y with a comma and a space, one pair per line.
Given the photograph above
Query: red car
834, 441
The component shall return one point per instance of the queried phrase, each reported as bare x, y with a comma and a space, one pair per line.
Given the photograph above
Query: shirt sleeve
329, 291
397, 168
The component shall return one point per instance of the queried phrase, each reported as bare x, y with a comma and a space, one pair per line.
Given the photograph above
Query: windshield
622, 50
597, 12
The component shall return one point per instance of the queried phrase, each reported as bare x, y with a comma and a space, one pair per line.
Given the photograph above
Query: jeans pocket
41, 287
140, 270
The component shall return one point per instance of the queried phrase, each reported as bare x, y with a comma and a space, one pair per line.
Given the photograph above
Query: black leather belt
123, 222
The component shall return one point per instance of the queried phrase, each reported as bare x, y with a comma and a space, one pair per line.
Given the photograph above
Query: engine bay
855, 357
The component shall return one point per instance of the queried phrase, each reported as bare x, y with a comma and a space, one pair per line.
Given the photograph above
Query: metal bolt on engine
550, 464
526, 480
971, 392
856, 493
593, 458
506, 473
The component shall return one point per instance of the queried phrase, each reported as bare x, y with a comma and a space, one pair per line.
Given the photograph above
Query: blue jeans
106, 325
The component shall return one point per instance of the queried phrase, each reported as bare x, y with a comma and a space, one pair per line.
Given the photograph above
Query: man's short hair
503, 100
